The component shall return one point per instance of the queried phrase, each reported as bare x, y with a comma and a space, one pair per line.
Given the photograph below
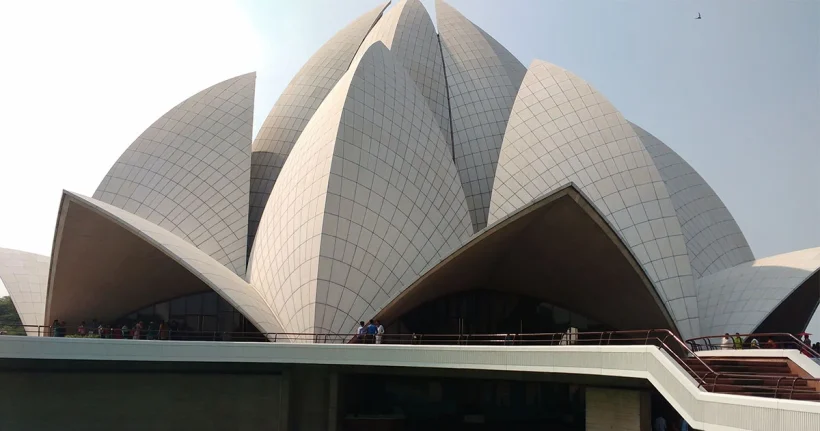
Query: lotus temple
422, 176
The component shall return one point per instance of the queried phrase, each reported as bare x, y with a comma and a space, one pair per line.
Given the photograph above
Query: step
758, 370
757, 381
706, 372
782, 364
802, 396
743, 388
738, 363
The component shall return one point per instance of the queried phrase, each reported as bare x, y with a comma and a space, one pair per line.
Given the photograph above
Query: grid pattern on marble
482, 92
738, 299
295, 107
407, 30
561, 130
222, 280
284, 260
25, 276
189, 172
393, 205
713, 238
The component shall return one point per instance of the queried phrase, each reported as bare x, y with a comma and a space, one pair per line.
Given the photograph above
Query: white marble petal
738, 299
189, 172
25, 277
368, 200
561, 130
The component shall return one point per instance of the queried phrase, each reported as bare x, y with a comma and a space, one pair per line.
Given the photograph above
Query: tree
10, 322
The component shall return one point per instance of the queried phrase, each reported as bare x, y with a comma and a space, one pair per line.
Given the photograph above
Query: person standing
152, 331
379, 332
163, 330
371, 331
726, 342
361, 332
738, 341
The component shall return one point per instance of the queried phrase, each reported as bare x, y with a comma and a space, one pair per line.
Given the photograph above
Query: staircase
769, 377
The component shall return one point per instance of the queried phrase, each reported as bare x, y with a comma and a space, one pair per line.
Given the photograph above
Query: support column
617, 410
314, 398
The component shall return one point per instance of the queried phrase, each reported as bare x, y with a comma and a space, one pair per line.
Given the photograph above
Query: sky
737, 93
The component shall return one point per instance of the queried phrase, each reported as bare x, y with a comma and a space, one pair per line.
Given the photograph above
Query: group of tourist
373, 332
139, 331
730, 342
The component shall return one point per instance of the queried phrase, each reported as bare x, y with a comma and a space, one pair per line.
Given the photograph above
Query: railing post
777, 386
794, 381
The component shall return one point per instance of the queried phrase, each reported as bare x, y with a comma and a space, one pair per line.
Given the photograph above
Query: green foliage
9, 319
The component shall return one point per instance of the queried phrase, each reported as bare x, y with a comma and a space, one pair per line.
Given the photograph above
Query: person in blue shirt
371, 331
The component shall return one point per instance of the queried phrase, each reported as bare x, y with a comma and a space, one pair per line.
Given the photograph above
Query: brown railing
779, 340
773, 340
663, 339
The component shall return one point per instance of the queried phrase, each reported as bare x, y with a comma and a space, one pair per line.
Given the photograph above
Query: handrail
661, 338
792, 340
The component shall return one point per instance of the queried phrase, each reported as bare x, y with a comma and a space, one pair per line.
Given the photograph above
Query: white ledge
703, 410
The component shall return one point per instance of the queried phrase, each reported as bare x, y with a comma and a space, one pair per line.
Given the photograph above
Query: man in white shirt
361, 332
379, 332
726, 343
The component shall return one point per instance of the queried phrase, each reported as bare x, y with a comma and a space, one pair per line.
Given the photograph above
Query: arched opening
483, 311
795, 312
200, 316
558, 251
105, 273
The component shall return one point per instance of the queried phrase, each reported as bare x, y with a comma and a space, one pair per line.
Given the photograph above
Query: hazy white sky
737, 93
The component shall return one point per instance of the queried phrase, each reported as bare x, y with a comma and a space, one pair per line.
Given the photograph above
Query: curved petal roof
394, 146
740, 298
108, 262
564, 229
482, 80
190, 171
562, 130
713, 238
295, 107
407, 30
368, 200
25, 276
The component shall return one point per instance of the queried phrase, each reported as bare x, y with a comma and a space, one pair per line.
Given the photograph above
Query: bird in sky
698, 16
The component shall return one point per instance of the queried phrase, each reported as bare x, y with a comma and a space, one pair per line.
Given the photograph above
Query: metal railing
662, 338
683, 353
768, 340
774, 340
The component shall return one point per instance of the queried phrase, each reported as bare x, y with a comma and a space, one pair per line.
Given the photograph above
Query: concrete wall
617, 410
139, 401
314, 398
